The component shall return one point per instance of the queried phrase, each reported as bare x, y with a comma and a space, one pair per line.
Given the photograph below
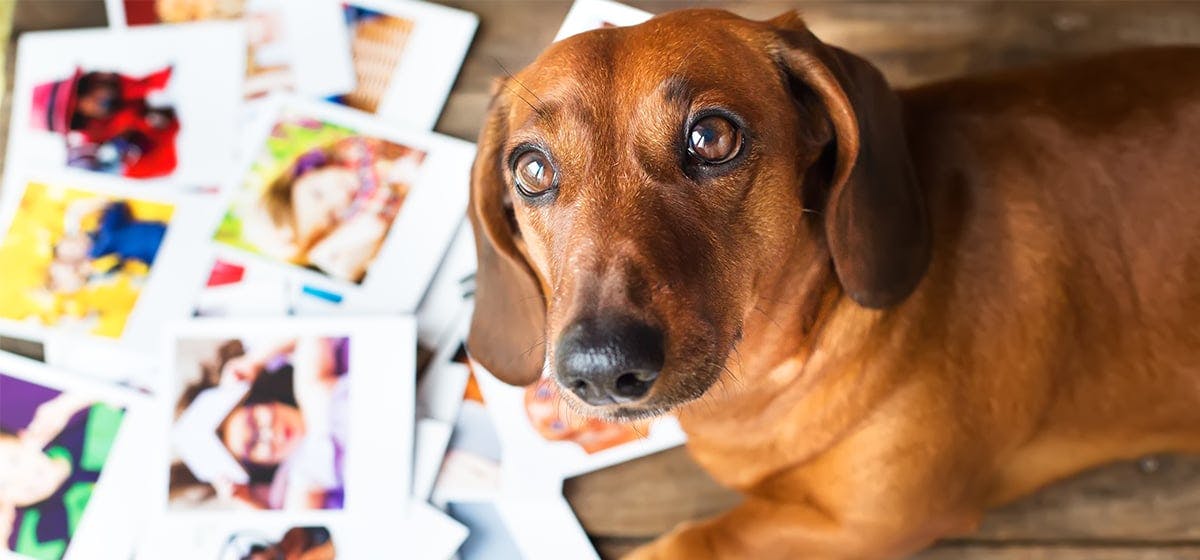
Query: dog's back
1073, 192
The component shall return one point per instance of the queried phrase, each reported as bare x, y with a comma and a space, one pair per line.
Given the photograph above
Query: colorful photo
53, 447
149, 12
156, 104
377, 44
556, 421
78, 260
405, 56
297, 543
280, 38
111, 122
320, 196
261, 423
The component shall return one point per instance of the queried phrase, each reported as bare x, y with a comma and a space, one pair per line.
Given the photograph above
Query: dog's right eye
714, 140
534, 173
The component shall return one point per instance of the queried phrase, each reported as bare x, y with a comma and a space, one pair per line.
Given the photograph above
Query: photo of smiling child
53, 446
78, 260
261, 424
321, 196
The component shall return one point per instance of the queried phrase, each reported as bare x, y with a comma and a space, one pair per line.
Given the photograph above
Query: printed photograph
260, 423
155, 104
320, 196
377, 42
53, 447
586, 15
470, 471
276, 57
555, 421
489, 537
111, 122
76, 260
297, 543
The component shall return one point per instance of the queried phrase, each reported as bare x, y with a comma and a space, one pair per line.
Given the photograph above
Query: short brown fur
892, 314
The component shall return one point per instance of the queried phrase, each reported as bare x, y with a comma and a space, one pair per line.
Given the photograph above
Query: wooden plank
1066, 552
646, 497
614, 548
1119, 503
1157, 500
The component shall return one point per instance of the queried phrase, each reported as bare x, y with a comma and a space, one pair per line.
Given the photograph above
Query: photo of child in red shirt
111, 122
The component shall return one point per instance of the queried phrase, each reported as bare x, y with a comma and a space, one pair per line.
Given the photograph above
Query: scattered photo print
77, 260
157, 105
53, 447
149, 12
535, 422
586, 15
282, 39
470, 471
406, 55
489, 537
555, 421
260, 423
111, 122
297, 543
377, 46
320, 196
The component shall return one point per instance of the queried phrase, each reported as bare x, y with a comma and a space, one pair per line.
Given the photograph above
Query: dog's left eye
714, 140
534, 173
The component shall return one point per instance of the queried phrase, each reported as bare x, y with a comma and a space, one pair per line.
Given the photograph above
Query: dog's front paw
689, 541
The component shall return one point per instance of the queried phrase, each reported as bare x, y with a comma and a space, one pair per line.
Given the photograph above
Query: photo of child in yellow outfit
77, 259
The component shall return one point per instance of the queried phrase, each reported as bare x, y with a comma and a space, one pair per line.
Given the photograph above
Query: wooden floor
1148, 510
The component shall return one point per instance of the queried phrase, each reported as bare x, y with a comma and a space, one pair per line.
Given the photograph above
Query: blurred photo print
108, 123
264, 423
291, 46
297, 543
94, 263
150, 105
278, 415
397, 44
321, 196
58, 445
247, 536
77, 259
357, 212
539, 433
586, 15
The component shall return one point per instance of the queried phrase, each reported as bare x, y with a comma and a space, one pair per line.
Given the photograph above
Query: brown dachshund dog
877, 313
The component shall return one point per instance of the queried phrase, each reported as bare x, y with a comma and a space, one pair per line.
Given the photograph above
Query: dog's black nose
609, 360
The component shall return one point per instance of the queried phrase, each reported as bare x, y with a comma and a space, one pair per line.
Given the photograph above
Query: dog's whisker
539, 110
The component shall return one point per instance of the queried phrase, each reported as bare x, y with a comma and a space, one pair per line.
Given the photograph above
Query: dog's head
634, 186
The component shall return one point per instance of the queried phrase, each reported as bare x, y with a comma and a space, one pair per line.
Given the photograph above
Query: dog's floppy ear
508, 327
875, 218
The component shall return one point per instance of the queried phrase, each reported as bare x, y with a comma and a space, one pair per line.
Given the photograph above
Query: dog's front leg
763, 529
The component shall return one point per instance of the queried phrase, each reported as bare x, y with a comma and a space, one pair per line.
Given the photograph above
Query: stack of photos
242, 257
